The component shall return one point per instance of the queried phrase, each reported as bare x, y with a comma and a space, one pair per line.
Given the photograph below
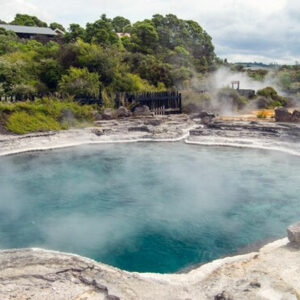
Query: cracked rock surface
159, 128
264, 135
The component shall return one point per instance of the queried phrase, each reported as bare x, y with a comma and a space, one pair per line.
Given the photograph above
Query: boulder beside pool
293, 233
143, 110
282, 115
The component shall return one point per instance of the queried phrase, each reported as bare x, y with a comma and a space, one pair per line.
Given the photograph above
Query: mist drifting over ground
146, 207
215, 93
223, 77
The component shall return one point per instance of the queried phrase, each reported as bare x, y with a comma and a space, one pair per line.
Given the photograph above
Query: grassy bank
43, 115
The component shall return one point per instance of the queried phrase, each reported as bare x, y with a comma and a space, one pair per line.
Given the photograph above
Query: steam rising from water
224, 76
147, 207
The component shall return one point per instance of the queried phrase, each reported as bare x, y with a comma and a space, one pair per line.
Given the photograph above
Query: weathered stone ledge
282, 137
265, 135
271, 273
159, 128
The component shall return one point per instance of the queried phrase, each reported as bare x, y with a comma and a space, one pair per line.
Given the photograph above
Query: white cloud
264, 30
8, 9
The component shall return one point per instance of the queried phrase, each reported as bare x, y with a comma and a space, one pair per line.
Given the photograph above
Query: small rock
159, 130
263, 102
191, 108
282, 115
293, 233
153, 122
205, 120
204, 116
223, 296
97, 117
123, 112
255, 284
296, 116
107, 130
112, 297
142, 128
97, 132
108, 114
142, 111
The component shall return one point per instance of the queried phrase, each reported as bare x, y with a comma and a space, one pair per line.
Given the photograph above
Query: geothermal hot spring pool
154, 207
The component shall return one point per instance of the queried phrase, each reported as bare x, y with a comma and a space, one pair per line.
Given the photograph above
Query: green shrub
43, 114
278, 103
268, 92
258, 75
107, 100
22, 122
80, 82
271, 94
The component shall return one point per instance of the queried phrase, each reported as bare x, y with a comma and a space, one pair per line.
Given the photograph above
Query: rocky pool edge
266, 274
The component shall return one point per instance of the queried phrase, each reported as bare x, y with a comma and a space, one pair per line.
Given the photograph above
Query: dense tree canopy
75, 31
80, 82
55, 25
101, 32
27, 20
120, 24
160, 53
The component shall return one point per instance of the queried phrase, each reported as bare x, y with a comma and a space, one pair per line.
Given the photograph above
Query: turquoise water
155, 207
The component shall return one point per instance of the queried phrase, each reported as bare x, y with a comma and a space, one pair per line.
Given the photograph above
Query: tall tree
101, 32
120, 23
144, 37
75, 31
50, 73
55, 25
27, 20
188, 35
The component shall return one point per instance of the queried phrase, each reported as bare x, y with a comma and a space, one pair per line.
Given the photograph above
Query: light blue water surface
154, 207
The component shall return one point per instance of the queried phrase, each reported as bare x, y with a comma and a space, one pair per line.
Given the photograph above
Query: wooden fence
160, 103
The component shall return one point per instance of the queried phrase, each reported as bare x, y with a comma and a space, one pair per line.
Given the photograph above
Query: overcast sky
242, 30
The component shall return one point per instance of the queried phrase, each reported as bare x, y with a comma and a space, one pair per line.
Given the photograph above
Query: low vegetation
261, 115
23, 122
270, 98
43, 115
